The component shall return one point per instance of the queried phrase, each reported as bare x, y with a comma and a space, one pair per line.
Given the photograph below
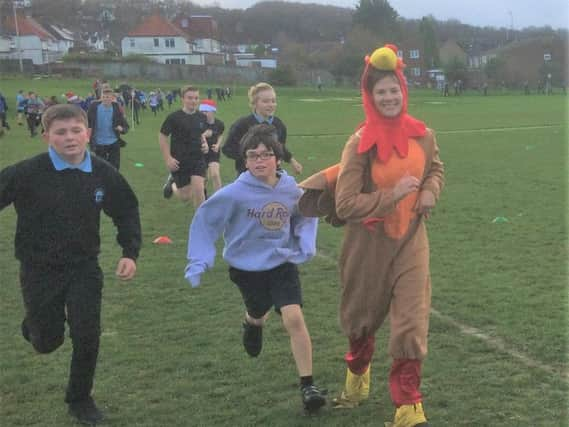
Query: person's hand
404, 186
172, 164
126, 269
215, 148
425, 203
204, 147
297, 167
119, 128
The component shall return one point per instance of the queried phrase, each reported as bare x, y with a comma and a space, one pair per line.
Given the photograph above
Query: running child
265, 239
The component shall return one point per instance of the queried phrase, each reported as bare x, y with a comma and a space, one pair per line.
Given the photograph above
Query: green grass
171, 355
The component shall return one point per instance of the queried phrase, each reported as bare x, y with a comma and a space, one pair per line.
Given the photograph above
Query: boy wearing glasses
265, 238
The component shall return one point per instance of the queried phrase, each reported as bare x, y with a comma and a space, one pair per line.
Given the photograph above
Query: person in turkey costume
387, 182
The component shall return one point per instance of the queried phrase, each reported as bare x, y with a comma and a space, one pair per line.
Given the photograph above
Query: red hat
208, 105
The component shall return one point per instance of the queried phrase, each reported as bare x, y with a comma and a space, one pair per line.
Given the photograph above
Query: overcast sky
496, 13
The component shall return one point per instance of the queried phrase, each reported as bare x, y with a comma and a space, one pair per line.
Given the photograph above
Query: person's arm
287, 155
122, 207
122, 125
171, 163
8, 190
231, 146
433, 182
215, 146
208, 224
354, 206
304, 231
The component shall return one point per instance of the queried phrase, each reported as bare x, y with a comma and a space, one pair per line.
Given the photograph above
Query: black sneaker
312, 398
86, 412
167, 190
252, 339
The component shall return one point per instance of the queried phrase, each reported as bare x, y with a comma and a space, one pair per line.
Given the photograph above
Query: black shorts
262, 290
183, 176
212, 156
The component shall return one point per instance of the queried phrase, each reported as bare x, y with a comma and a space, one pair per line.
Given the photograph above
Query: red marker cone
162, 240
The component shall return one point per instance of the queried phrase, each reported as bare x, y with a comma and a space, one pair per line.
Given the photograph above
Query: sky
496, 13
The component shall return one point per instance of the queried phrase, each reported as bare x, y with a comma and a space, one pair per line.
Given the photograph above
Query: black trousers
111, 153
55, 294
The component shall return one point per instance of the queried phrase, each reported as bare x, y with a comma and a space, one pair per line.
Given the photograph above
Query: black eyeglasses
265, 155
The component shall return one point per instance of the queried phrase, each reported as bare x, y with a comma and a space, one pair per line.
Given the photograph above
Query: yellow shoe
409, 416
355, 391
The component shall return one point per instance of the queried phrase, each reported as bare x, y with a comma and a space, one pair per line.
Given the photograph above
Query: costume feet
355, 391
409, 416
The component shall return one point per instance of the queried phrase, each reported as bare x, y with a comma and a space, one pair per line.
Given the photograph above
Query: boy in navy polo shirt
58, 197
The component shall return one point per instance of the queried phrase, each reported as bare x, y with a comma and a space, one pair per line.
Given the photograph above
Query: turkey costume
384, 260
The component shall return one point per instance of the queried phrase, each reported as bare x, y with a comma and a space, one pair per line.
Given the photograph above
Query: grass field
172, 355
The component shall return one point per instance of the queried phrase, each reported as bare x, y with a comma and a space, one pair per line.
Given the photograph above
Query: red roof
198, 26
156, 25
28, 26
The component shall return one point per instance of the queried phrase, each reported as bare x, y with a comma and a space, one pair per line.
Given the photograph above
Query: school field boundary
495, 343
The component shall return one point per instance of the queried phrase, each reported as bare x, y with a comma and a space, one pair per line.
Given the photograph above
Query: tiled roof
28, 26
156, 25
197, 26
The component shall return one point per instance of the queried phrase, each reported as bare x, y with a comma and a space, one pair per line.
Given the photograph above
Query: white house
162, 41
203, 31
64, 38
31, 41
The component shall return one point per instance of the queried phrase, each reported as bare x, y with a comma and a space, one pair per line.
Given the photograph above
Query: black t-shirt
185, 132
217, 128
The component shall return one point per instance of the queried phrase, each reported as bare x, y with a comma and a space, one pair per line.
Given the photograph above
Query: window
414, 54
131, 42
176, 61
400, 54
416, 71
547, 56
170, 43
156, 43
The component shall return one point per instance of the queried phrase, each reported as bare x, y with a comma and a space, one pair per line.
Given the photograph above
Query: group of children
387, 183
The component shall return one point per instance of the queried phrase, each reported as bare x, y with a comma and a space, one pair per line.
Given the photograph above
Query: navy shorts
261, 290
183, 176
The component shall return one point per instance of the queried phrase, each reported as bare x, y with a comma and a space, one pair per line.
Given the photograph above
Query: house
96, 41
162, 41
531, 60
410, 51
30, 40
450, 50
202, 29
63, 36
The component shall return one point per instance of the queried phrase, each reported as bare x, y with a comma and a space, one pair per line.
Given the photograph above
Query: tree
349, 64
455, 70
430, 46
283, 76
495, 69
378, 17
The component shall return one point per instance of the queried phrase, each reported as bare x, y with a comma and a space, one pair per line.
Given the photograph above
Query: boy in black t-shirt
58, 197
209, 108
185, 155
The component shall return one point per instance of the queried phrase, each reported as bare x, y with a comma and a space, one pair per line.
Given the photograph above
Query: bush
283, 76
